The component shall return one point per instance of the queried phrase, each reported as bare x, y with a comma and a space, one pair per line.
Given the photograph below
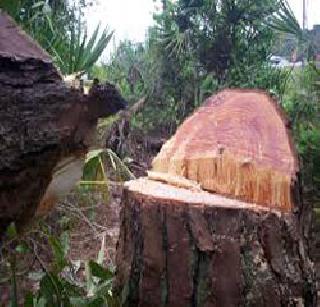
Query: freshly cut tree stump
219, 221
44, 125
236, 144
180, 247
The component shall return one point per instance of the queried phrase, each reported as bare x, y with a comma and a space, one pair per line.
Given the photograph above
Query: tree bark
180, 247
42, 122
219, 221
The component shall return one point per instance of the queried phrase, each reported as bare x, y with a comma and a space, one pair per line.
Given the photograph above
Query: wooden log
236, 144
219, 221
181, 247
43, 123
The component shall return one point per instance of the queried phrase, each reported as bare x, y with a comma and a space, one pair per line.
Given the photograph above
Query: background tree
194, 48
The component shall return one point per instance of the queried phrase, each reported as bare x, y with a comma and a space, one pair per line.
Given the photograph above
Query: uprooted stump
45, 126
183, 245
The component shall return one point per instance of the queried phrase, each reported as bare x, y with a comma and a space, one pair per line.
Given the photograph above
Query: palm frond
285, 21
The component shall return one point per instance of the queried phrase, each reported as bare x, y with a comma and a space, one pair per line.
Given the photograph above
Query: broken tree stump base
182, 247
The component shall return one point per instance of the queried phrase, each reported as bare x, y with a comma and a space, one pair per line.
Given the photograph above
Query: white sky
313, 11
131, 18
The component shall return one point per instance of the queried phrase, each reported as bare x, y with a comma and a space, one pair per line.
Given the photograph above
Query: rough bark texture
236, 144
179, 247
182, 245
42, 122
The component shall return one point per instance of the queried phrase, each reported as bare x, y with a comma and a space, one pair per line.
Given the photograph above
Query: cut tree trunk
180, 247
43, 124
219, 220
236, 144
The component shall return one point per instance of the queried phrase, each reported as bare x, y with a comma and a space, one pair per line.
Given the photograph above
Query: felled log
214, 240
44, 124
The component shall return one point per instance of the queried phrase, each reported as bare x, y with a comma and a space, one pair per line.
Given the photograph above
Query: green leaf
96, 302
104, 289
87, 302
32, 301
51, 289
99, 271
93, 169
123, 171
29, 300
71, 289
60, 261
41, 302
89, 279
11, 231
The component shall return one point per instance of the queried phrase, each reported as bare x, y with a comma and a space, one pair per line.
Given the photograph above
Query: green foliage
265, 77
56, 286
59, 254
291, 38
59, 29
127, 69
285, 21
194, 49
219, 34
93, 169
94, 176
78, 53
301, 101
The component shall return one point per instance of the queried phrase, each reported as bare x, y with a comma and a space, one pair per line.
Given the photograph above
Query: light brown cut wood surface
237, 144
176, 195
181, 247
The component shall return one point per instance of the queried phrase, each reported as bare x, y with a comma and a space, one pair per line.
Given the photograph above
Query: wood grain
237, 144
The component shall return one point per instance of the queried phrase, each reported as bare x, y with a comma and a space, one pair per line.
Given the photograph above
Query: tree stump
236, 144
44, 125
218, 222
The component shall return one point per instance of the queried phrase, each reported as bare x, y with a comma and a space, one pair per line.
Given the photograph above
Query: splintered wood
237, 144
213, 224
156, 189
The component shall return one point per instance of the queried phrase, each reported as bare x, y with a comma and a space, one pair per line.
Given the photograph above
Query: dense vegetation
198, 47
194, 48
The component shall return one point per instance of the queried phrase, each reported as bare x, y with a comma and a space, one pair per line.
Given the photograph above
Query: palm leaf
285, 21
80, 53
94, 54
90, 45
